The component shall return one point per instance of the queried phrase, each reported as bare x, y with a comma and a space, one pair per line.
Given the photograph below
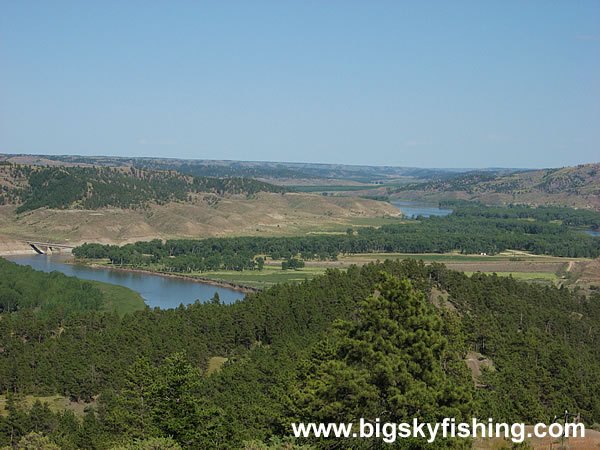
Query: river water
414, 209
163, 292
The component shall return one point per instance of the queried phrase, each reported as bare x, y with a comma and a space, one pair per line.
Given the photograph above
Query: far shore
208, 281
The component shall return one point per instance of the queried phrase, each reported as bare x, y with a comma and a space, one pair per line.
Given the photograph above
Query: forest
305, 351
567, 216
101, 187
471, 228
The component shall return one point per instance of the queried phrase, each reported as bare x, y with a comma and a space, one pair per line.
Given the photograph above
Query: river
156, 290
414, 209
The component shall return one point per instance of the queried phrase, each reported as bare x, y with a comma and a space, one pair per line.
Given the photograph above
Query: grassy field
269, 276
119, 298
534, 268
55, 403
215, 363
545, 269
427, 257
530, 276
374, 221
333, 187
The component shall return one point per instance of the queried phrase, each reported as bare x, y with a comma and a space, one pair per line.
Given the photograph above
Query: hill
120, 205
208, 216
577, 186
33, 187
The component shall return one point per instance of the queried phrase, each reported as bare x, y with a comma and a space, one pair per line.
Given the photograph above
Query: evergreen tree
131, 412
177, 410
36, 441
388, 365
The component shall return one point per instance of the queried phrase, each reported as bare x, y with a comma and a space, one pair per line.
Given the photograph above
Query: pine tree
388, 366
177, 409
131, 411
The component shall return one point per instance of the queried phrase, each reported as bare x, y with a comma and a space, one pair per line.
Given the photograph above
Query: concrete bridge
43, 248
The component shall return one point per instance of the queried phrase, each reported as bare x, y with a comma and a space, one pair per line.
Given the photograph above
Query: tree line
561, 214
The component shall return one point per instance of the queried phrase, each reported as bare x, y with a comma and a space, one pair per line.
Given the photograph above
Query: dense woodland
469, 229
309, 351
93, 187
558, 214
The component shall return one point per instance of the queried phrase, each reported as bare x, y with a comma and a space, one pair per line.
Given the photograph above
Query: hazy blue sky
430, 84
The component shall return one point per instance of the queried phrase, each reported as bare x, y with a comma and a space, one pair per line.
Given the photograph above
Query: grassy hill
33, 187
577, 186
205, 216
119, 205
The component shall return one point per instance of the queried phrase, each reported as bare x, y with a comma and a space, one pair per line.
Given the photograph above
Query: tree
16, 423
260, 262
150, 444
292, 263
388, 364
131, 412
36, 441
178, 411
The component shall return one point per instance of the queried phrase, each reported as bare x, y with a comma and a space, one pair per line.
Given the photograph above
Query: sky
399, 83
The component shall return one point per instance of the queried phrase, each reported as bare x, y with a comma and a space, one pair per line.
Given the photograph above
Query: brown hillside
264, 213
577, 186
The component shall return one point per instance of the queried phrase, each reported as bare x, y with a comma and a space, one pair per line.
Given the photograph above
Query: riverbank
208, 281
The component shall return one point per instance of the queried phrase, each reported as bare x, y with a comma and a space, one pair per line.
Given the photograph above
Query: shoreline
196, 279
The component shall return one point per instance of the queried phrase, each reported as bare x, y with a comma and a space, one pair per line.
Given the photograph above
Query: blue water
414, 209
592, 233
158, 291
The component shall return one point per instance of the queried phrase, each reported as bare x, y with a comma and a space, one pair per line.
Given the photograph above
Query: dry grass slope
577, 186
263, 213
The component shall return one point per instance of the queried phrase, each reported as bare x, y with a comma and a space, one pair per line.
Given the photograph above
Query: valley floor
520, 265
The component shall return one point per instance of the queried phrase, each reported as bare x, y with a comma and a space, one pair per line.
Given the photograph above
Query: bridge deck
48, 244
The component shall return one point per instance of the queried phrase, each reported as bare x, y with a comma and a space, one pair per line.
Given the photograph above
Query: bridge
43, 248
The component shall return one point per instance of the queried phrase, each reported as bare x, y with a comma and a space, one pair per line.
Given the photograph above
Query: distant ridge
227, 168
577, 186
